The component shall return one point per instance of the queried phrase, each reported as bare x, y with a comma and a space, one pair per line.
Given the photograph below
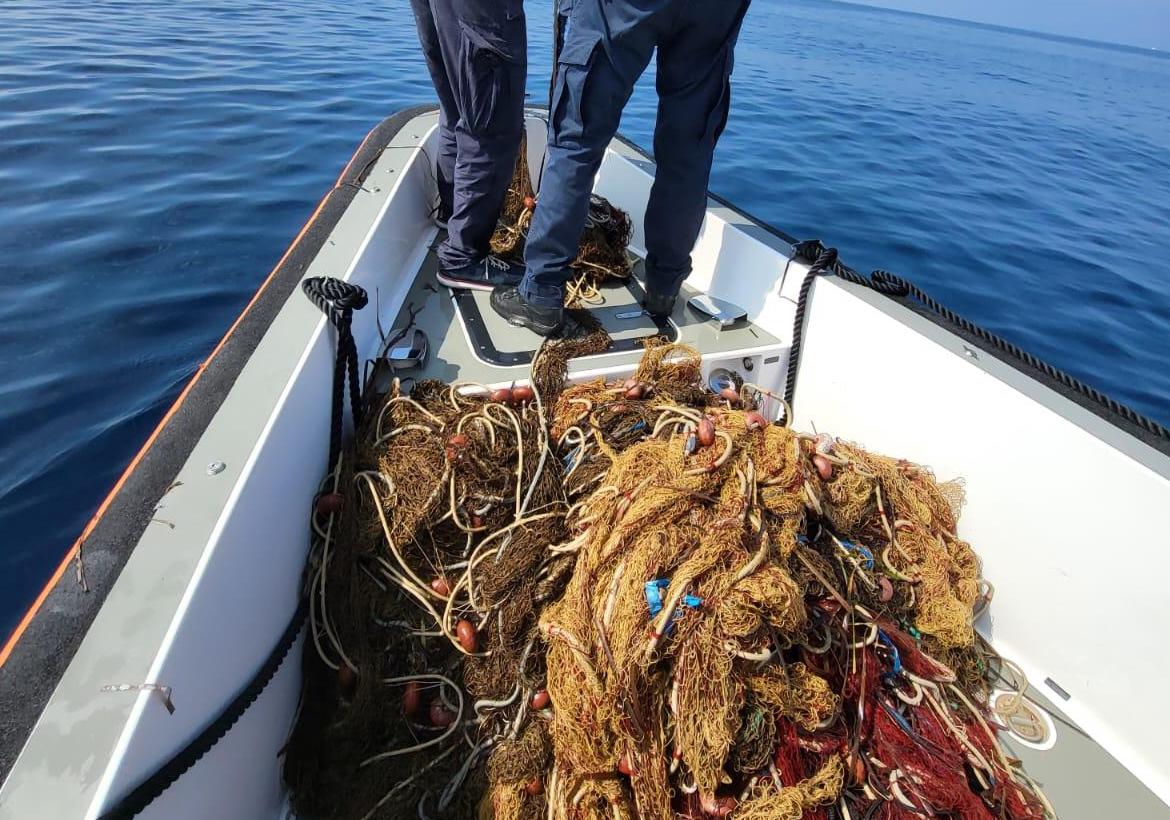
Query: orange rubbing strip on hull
71, 555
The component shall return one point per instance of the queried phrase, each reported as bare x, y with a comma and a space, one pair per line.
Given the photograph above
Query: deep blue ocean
156, 158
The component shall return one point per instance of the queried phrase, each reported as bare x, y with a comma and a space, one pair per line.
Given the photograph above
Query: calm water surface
157, 157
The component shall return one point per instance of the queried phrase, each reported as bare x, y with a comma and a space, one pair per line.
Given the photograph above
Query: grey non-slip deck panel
451, 356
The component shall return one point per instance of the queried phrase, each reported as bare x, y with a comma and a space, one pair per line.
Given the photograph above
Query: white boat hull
1067, 509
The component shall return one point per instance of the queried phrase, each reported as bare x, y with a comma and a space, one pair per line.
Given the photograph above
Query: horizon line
1047, 35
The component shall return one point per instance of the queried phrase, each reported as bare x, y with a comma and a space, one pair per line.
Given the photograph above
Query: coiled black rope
825, 260
337, 300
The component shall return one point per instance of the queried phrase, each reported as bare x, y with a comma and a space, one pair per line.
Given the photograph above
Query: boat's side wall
247, 582
35, 657
1067, 511
735, 258
215, 575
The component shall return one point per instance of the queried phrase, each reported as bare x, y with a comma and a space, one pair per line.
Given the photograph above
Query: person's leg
428, 37
484, 50
588, 97
694, 95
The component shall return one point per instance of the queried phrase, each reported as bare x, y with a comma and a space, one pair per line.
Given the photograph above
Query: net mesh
602, 256
639, 599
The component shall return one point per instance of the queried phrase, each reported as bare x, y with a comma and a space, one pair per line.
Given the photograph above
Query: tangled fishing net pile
640, 600
602, 256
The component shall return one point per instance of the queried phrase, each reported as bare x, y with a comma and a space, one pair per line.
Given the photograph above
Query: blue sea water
157, 157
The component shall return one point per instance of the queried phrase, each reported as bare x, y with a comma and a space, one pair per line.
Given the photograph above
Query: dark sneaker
508, 302
441, 214
489, 273
659, 305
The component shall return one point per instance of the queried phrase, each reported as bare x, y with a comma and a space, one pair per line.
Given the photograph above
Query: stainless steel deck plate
405, 348
719, 310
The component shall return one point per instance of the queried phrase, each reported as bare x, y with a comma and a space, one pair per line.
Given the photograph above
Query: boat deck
1081, 779
469, 342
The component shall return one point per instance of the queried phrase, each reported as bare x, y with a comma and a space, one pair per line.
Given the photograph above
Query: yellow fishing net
637, 599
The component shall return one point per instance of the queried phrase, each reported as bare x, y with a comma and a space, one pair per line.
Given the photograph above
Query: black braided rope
337, 300
825, 260
163, 778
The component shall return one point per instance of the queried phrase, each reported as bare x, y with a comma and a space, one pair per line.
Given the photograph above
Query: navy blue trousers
607, 46
476, 52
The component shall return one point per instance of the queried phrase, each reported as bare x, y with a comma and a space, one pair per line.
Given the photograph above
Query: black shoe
441, 215
508, 302
486, 274
659, 305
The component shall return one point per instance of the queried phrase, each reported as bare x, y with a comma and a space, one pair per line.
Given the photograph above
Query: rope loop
338, 300
335, 298
807, 249
825, 260
888, 283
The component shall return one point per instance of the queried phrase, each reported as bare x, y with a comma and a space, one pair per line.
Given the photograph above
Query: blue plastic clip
654, 595
885, 641
633, 428
905, 724
571, 457
654, 591
866, 554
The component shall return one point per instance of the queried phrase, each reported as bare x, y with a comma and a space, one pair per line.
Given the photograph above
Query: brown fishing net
425, 582
516, 215
604, 240
638, 599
